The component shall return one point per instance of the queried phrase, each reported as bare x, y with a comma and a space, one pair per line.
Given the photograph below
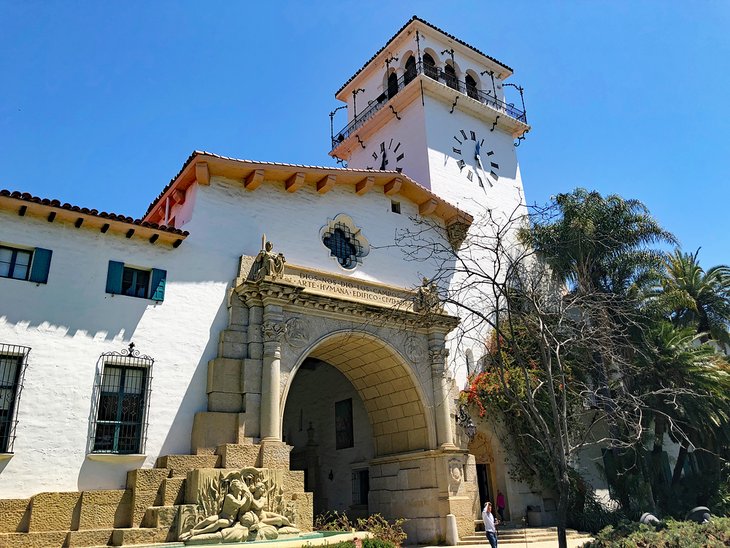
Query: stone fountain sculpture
242, 506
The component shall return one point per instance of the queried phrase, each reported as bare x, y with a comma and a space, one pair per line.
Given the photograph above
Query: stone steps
520, 535
143, 513
93, 537
142, 535
40, 539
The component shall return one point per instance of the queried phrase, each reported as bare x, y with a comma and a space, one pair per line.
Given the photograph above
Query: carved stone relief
273, 331
241, 506
414, 348
455, 475
297, 332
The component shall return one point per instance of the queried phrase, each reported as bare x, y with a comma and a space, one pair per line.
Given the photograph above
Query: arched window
471, 87
392, 84
429, 67
450, 77
410, 73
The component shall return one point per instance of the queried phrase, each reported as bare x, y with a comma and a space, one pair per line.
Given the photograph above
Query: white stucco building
327, 353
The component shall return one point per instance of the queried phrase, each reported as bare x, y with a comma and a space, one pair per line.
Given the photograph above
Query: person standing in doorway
490, 524
500, 505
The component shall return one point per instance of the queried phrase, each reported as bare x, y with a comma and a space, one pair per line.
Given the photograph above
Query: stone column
438, 354
272, 330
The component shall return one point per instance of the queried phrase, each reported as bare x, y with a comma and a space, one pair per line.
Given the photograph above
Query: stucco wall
71, 321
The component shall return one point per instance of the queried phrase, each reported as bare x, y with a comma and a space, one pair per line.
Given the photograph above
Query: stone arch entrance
388, 345
387, 386
350, 399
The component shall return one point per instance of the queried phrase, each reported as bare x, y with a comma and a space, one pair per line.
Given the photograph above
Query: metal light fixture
464, 420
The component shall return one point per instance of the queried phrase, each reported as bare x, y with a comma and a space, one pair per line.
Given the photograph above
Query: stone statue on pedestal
427, 297
267, 263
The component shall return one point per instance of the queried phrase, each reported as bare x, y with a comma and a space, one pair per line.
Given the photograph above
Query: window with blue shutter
157, 289
136, 282
114, 278
41, 265
25, 264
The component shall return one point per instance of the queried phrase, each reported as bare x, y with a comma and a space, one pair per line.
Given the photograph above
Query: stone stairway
145, 512
522, 536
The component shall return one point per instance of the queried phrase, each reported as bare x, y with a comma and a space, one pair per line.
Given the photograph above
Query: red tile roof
29, 198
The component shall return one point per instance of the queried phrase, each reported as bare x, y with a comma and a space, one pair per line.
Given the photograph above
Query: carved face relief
297, 332
414, 349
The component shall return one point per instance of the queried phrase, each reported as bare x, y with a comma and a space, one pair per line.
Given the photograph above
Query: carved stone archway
390, 344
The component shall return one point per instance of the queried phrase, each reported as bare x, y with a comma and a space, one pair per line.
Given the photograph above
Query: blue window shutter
114, 278
157, 287
41, 265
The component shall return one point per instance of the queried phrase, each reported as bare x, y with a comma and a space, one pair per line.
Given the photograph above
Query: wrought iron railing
13, 361
486, 97
120, 414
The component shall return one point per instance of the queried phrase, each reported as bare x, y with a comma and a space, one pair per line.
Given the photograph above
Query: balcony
484, 97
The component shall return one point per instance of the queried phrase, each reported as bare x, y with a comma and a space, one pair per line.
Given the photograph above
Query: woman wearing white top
489, 524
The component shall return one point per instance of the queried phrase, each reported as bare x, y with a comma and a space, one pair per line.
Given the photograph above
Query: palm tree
691, 297
597, 243
687, 387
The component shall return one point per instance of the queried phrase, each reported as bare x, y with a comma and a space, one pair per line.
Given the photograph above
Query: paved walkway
572, 543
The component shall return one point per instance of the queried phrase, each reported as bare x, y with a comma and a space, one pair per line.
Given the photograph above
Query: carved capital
273, 331
438, 356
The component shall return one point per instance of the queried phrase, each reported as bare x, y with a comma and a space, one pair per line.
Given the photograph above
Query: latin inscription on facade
331, 285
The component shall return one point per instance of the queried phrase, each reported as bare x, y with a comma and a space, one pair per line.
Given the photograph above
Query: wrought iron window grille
13, 363
120, 413
486, 97
345, 242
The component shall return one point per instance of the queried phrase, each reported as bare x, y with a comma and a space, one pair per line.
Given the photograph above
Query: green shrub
377, 543
387, 534
672, 534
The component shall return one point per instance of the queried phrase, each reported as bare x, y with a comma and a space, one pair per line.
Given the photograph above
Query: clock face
475, 162
387, 155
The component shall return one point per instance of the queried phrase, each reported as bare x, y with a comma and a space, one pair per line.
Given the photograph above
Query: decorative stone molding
456, 233
273, 331
297, 332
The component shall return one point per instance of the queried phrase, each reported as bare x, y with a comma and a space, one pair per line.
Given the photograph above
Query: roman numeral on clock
456, 150
400, 157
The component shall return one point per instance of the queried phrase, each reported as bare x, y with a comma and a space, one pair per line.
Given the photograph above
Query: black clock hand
383, 163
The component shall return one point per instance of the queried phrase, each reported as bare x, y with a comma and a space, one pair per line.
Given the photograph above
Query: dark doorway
485, 487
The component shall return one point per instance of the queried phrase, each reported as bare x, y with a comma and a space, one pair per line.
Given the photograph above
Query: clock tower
433, 107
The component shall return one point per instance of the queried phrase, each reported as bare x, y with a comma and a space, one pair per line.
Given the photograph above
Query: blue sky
102, 102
